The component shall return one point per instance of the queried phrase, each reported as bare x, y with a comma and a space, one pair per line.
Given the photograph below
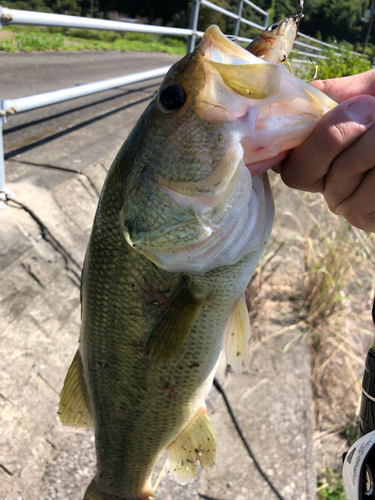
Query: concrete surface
41, 459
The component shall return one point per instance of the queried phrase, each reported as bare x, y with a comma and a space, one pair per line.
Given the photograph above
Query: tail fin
92, 494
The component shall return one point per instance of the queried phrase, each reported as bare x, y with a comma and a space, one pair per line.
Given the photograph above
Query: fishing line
243, 439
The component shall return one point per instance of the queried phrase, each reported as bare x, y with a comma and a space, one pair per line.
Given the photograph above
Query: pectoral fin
196, 442
255, 81
73, 409
237, 336
171, 331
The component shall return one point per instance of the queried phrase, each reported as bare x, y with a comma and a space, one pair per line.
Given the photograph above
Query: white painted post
193, 23
238, 21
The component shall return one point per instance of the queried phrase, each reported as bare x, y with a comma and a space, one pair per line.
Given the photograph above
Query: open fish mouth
271, 110
233, 116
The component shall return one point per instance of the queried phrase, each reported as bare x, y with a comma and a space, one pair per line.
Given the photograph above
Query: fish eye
273, 26
172, 98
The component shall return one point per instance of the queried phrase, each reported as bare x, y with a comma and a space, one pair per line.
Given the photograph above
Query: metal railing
9, 17
310, 49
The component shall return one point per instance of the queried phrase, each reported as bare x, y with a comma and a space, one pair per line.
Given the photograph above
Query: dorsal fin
196, 442
73, 409
237, 336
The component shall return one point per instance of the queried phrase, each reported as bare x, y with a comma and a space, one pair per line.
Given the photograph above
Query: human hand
338, 157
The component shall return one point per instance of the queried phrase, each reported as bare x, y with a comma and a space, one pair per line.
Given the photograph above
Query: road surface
79, 131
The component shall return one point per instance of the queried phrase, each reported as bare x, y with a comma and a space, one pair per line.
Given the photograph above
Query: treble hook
299, 16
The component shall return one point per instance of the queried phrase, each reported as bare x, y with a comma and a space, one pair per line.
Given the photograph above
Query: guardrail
8, 17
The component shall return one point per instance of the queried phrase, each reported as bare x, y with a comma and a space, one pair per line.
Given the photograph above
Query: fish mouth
258, 168
250, 114
269, 110
216, 47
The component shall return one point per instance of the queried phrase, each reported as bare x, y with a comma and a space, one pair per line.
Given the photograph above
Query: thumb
341, 89
308, 164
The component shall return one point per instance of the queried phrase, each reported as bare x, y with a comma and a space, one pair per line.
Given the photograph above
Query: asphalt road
80, 131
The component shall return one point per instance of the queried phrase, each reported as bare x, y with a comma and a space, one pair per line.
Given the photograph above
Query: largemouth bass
182, 220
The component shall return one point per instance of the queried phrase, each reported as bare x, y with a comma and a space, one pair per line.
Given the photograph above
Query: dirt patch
336, 289
6, 35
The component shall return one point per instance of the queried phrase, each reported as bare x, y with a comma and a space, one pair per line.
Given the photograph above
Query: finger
309, 163
359, 208
342, 89
348, 171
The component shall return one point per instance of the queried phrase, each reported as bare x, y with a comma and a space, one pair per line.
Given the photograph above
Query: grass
338, 284
326, 269
30, 39
330, 486
334, 66
331, 260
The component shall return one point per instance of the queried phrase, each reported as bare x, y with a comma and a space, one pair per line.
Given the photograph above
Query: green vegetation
346, 65
327, 20
330, 487
28, 39
334, 66
69, 7
329, 269
324, 19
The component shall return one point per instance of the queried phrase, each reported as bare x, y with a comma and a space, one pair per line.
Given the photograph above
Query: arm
338, 158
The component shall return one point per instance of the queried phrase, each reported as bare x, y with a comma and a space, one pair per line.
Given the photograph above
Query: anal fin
92, 493
195, 443
73, 409
237, 336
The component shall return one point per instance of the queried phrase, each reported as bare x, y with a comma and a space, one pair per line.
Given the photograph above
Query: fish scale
188, 164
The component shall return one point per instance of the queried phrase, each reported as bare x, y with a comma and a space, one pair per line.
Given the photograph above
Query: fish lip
258, 168
214, 40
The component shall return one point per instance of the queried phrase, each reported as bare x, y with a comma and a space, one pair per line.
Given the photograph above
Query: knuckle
341, 163
333, 136
355, 217
295, 180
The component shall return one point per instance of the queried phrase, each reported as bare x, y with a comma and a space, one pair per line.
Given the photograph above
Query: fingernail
361, 112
